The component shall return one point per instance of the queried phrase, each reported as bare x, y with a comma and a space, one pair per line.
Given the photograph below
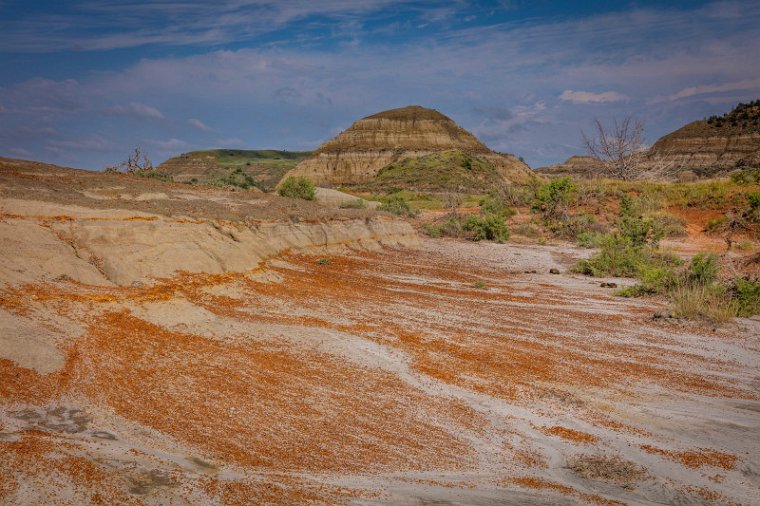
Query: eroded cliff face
103, 229
712, 146
712, 154
357, 154
124, 248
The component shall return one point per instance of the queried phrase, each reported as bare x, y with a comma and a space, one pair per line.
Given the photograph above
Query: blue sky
82, 82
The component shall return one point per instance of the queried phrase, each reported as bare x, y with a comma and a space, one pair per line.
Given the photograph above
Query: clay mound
713, 146
357, 154
585, 167
413, 127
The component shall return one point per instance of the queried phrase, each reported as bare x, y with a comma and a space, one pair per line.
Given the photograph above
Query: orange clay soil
340, 378
696, 458
570, 434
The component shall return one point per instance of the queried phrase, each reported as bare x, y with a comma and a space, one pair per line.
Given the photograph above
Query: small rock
608, 285
553, 271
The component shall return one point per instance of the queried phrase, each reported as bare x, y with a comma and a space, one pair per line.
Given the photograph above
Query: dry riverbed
458, 373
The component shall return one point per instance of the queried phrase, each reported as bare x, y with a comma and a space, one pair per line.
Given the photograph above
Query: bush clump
619, 256
745, 177
696, 292
397, 204
298, 187
553, 198
490, 227
747, 295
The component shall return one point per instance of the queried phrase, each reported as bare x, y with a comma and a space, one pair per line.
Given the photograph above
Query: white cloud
588, 97
137, 110
101, 25
638, 53
694, 91
196, 123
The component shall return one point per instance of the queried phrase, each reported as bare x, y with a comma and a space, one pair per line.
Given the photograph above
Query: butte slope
357, 155
713, 146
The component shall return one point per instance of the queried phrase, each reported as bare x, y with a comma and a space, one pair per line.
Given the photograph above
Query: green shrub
641, 231
490, 227
745, 177
747, 294
703, 269
298, 187
583, 225
397, 204
553, 197
618, 256
433, 230
589, 239
670, 224
491, 204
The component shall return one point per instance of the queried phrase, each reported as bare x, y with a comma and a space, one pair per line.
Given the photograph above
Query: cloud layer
525, 86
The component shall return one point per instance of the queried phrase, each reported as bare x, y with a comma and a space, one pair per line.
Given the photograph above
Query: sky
83, 82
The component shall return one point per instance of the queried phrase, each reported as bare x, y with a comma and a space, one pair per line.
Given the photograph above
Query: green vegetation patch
298, 187
447, 170
219, 167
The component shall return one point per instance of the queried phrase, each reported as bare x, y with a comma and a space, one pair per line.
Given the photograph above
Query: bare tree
620, 149
137, 162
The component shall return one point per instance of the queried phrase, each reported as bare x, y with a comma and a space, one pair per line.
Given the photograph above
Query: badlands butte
434, 323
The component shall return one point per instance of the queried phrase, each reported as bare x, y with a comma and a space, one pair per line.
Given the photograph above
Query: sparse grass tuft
709, 302
611, 469
397, 204
354, 204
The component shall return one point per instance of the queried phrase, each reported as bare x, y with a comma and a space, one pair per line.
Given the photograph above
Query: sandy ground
447, 375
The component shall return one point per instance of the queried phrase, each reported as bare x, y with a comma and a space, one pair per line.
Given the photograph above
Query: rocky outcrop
357, 154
